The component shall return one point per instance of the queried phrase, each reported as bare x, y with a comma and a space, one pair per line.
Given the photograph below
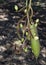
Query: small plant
29, 30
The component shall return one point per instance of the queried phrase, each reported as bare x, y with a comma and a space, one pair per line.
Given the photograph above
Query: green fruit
37, 20
25, 11
21, 25
33, 30
22, 40
26, 33
16, 7
25, 49
35, 46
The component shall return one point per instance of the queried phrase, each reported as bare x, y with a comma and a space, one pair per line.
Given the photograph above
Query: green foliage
31, 27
